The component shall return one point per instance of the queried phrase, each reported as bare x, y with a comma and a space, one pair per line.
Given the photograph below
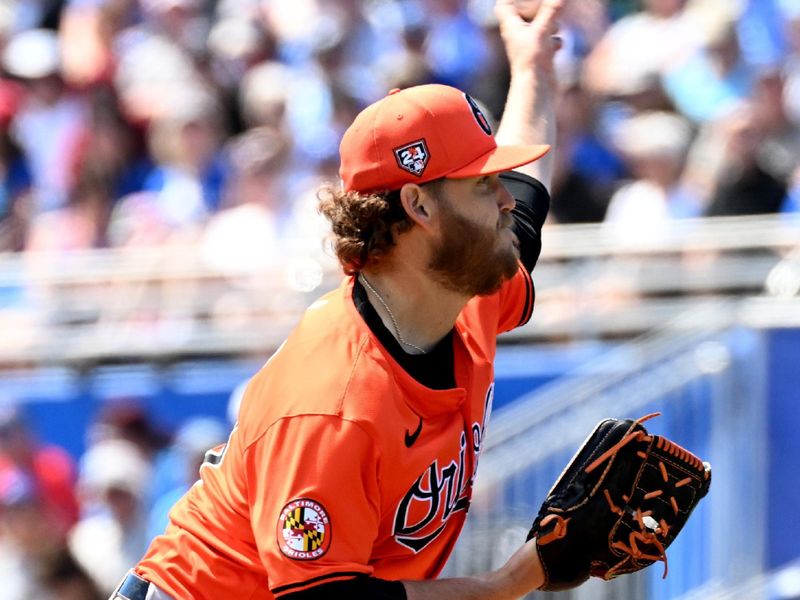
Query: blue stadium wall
783, 542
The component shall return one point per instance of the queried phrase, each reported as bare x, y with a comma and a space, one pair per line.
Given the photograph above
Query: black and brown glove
618, 505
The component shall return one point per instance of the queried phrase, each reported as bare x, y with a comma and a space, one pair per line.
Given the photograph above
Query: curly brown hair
364, 226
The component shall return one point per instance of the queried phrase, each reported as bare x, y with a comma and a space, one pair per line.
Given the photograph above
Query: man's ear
419, 204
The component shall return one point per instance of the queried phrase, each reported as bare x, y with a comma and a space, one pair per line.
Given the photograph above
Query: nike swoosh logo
412, 437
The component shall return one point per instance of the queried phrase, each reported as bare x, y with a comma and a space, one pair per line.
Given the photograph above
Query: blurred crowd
145, 122
70, 530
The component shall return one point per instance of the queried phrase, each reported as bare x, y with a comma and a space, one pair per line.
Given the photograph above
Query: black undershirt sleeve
358, 588
533, 203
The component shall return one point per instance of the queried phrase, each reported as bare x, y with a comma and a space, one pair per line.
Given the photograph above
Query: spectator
48, 122
789, 109
185, 143
152, 74
587, 168
62, 578
78, 225
250, 232
185, 22
655, 145
27, 536
714, 77
237, 44
110, 149
780, 151
630, 58
114, 476
49, 468
352, 42
105, 166
15, 175
267, 103
264, 95
87, 30
455, 48
127, 419
743, 186
407, 66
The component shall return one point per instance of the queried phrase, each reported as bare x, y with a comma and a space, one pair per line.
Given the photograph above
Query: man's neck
420, 310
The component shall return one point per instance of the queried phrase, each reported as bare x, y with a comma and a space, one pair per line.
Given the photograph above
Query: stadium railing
694, 379
592, 282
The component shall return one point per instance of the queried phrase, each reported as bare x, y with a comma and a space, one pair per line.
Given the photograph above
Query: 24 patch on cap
304, 530
413, 157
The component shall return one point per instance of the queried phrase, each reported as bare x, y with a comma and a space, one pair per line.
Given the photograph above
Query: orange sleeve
313, 489
515, 301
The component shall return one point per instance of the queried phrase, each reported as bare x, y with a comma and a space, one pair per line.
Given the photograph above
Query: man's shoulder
323, 348
327, 366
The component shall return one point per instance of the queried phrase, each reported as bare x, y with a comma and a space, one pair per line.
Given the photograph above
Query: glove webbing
648, 531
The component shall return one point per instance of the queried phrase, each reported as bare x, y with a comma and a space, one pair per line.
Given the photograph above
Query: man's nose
505, 201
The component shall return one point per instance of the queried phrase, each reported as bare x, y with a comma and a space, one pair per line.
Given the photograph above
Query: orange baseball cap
420, 134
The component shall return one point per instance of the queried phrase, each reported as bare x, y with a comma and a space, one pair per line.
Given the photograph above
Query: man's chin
513, 236
507, 275
513, 249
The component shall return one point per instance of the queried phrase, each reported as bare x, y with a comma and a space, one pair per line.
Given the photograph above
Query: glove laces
646, 535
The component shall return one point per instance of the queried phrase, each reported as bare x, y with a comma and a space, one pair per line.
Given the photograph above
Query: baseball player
350, 470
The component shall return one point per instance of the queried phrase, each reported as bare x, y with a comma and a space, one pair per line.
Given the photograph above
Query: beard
473, 259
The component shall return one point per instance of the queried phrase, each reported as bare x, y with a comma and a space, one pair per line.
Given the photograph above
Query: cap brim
502, 158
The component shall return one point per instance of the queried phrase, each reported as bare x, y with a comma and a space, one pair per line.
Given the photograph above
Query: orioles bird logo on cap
413, 157
483, 122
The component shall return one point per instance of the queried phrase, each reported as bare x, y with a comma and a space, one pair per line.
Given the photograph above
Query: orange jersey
341, 463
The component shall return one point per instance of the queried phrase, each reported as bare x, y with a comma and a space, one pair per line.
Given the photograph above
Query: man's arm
519, 576
528, 119
529, 115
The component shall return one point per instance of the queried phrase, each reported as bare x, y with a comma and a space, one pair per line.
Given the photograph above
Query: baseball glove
618, 505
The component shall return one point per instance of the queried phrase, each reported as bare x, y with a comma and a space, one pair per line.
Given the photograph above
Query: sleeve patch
304, 530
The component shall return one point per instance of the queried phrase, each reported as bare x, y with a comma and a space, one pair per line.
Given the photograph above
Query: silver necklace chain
400, 339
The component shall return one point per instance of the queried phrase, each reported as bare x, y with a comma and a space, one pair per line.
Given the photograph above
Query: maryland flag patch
304, 530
